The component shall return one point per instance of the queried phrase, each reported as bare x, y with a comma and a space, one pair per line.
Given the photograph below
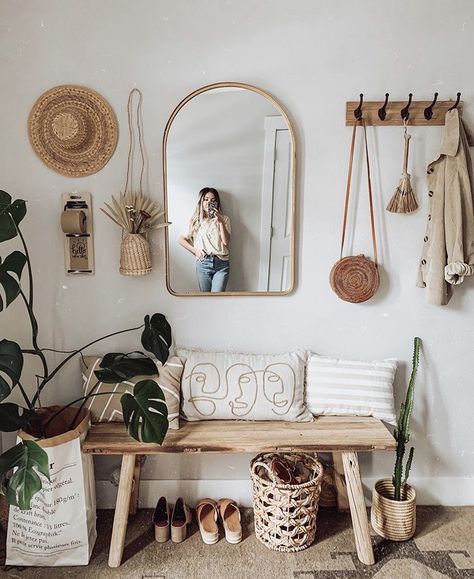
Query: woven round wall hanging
73, 130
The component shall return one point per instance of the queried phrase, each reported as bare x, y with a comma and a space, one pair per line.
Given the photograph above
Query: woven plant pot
391, 519
285, 514
134, 255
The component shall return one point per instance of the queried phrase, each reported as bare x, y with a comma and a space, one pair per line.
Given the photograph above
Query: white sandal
230, 515
206, 514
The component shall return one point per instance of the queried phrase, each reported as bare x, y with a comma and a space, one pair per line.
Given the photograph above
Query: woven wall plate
73, 130
354, 278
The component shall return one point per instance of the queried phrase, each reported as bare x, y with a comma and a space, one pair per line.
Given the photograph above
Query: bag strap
131, 138
348, 190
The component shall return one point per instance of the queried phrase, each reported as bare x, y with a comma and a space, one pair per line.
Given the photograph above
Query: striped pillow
342, 387
109, 409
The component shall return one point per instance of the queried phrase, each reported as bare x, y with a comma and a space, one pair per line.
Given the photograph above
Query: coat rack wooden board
417, 108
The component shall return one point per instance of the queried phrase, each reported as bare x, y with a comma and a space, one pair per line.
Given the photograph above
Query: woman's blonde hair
198, 214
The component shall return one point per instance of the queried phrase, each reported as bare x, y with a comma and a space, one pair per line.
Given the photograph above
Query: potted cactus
393, 513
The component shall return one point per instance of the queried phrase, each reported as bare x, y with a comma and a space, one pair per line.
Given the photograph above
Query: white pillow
351, 388
232, 386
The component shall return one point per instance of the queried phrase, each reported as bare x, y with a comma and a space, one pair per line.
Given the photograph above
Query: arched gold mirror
229, 163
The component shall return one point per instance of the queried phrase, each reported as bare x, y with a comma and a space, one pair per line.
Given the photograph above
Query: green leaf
29, 459
15, 262
156, 336
119, 367
17, 210
7, 227
11, 364
11, 419
145, 413
10, 215
5, 199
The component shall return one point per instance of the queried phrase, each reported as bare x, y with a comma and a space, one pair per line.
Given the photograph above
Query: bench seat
343, 436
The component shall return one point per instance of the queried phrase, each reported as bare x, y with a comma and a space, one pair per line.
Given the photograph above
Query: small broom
404, 200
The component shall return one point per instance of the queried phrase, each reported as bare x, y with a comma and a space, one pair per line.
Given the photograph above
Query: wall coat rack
391, 113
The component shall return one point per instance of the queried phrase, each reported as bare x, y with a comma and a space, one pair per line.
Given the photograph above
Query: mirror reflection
229, 190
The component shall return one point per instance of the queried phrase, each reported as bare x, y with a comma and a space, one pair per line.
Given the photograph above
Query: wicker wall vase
285, 514
391, 519
134, 255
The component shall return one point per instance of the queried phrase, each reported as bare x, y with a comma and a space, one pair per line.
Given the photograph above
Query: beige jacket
448, 244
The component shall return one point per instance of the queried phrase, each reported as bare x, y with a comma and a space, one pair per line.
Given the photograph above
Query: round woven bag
285, 514
354, 278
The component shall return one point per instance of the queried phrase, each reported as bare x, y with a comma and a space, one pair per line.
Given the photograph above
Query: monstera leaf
11, 419
156, 336
119, 367
10, 215
29, 459
11, 364
145, 413
13, 263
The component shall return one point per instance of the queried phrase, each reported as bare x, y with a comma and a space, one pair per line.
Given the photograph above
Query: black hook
405, 112
358, 110
456, 103
382, 112
429, 110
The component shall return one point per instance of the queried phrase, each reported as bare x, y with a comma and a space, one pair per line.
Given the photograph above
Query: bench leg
134, 498
121, 510
339, 481
360, 522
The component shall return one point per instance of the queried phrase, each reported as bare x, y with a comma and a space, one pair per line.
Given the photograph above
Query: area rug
443, 547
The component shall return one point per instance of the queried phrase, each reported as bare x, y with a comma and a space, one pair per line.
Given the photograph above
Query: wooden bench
343, 436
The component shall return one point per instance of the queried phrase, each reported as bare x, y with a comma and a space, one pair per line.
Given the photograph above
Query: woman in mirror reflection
208, 239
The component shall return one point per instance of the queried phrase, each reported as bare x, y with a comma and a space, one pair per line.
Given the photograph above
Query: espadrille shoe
206, 513
161, 520
180, 520
230, 515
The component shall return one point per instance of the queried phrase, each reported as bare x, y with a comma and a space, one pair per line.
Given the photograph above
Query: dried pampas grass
135, 213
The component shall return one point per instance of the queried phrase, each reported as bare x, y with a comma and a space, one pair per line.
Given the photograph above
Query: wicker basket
285, 514
134, 255
391, 519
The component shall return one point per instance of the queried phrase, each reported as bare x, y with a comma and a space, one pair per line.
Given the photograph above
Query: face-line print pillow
231, 385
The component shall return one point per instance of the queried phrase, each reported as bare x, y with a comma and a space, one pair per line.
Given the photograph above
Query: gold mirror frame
284, 114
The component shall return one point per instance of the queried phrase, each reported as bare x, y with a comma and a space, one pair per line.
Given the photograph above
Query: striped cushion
109, 409
343, 387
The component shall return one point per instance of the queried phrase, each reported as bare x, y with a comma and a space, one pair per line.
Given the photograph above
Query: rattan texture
285, 514
354, 278
391, 519
73, 130
135, 255
328, 496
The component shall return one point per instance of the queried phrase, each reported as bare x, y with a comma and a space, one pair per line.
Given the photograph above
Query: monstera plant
144, 411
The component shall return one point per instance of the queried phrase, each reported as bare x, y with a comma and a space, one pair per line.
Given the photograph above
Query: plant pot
135, 255
391, 519
62, 512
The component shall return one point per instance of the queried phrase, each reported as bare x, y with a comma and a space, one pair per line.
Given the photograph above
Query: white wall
313, 56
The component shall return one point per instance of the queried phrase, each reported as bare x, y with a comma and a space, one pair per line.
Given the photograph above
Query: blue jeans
212, 273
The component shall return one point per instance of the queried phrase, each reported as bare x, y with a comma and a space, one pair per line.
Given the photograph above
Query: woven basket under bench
285, 514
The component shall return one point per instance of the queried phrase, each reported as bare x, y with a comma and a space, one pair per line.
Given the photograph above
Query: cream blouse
208, 238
